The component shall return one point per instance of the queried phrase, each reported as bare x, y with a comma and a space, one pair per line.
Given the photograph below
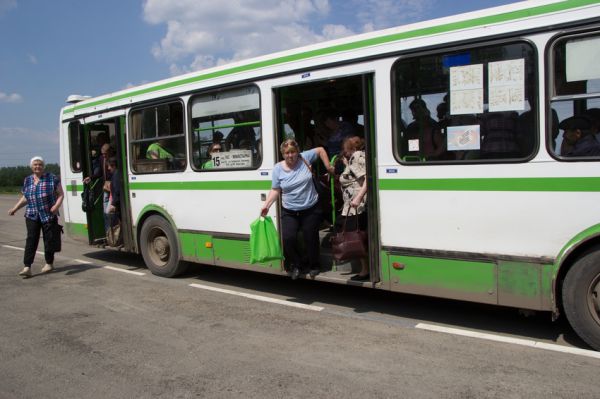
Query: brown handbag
347, 245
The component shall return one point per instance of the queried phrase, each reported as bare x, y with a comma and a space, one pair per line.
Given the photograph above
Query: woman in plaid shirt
43, 196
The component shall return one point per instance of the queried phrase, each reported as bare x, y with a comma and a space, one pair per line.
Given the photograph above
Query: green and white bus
474, 193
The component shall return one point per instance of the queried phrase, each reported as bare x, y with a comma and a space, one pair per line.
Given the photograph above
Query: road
101, 326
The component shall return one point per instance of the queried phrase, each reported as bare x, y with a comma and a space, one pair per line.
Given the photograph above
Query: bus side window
574, 124
465, 105
226, 130
157, 138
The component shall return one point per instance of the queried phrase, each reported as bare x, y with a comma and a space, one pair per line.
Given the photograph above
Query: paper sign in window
462, 138
506, 82
582, 59
466, 89
233, 159
413, 145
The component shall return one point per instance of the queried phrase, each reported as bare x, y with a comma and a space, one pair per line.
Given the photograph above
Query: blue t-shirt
297, 189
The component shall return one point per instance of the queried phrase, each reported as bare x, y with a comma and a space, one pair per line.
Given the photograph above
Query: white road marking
11, 247
420, 326
124, 271
259, 297
509, 340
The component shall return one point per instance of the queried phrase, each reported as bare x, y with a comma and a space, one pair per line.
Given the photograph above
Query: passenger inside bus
499, 135
424, 132
353, 181
158, 151
594, 115
113, 211
350, 116
242, 133
338, 131
578, 138
213, 149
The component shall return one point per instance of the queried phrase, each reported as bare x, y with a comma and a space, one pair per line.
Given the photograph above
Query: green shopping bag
264, 241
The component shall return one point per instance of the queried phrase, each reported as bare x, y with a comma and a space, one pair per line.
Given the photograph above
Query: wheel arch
148, 211
583, 243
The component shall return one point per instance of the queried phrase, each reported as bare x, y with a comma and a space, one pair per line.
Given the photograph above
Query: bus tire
159, 247
581, 298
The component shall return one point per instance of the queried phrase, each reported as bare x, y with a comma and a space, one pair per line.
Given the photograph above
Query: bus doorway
323, 114
104, 144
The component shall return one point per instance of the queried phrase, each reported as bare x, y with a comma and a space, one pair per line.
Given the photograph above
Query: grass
10, 190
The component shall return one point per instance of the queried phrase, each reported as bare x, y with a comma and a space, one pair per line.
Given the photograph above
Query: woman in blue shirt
43, 196
300, 211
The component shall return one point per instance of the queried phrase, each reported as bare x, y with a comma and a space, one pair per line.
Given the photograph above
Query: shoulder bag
347, 245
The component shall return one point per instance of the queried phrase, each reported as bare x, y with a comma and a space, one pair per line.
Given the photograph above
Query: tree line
13, 176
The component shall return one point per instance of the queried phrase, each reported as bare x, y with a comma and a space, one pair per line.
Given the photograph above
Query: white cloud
32, 58
10, 98
381, 14
201, 34
204, 34
6, 5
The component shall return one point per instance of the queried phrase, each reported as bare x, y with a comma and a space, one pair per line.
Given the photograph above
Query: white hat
36, 158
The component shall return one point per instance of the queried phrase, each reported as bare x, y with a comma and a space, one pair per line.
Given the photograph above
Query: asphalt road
91, 330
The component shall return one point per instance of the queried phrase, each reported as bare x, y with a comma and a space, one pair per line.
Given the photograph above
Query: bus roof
476, 19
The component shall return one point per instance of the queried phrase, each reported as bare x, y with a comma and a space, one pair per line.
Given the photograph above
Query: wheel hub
161, 247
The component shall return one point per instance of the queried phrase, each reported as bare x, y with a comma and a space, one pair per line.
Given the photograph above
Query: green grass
10, 190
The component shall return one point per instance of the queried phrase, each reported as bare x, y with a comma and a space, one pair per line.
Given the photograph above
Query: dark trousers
33, 238
307, 221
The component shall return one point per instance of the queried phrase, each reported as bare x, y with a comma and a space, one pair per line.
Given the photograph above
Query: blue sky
50, 49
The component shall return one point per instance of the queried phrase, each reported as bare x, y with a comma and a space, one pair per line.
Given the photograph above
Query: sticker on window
582, 59
413, 145
462, 138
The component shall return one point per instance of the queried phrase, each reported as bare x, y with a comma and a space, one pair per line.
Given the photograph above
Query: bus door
302, 112
96, 134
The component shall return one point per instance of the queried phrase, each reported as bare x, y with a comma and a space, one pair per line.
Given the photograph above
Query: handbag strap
306, 163
346, 219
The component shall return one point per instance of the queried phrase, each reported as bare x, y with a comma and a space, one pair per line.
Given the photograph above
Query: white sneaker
26, 272
47, 268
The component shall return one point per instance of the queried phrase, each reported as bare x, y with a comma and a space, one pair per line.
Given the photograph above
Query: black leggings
307, 221
33, 238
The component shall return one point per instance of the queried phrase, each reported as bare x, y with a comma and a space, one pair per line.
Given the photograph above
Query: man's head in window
578, 138
419, 109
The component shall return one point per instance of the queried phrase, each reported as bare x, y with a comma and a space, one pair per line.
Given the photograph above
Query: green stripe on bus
553, 184
203, 185
76, 229
449, 27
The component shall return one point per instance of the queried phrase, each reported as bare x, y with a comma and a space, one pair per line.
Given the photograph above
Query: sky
51, 49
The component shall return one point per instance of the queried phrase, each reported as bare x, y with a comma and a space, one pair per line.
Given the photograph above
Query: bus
481, 137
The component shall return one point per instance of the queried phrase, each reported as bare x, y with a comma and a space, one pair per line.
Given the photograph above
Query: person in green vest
158, 151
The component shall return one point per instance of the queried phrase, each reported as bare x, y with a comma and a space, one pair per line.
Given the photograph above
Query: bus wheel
581, 298
159, 247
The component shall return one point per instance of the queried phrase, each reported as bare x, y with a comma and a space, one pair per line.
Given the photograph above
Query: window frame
131, 142
81, 145
209, 91
552, 97
454, 48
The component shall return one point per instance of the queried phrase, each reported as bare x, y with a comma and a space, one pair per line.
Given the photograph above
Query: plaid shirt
40, 198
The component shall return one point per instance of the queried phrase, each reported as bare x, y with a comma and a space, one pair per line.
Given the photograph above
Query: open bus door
372, 190
301, 111
94, 211
107, 131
